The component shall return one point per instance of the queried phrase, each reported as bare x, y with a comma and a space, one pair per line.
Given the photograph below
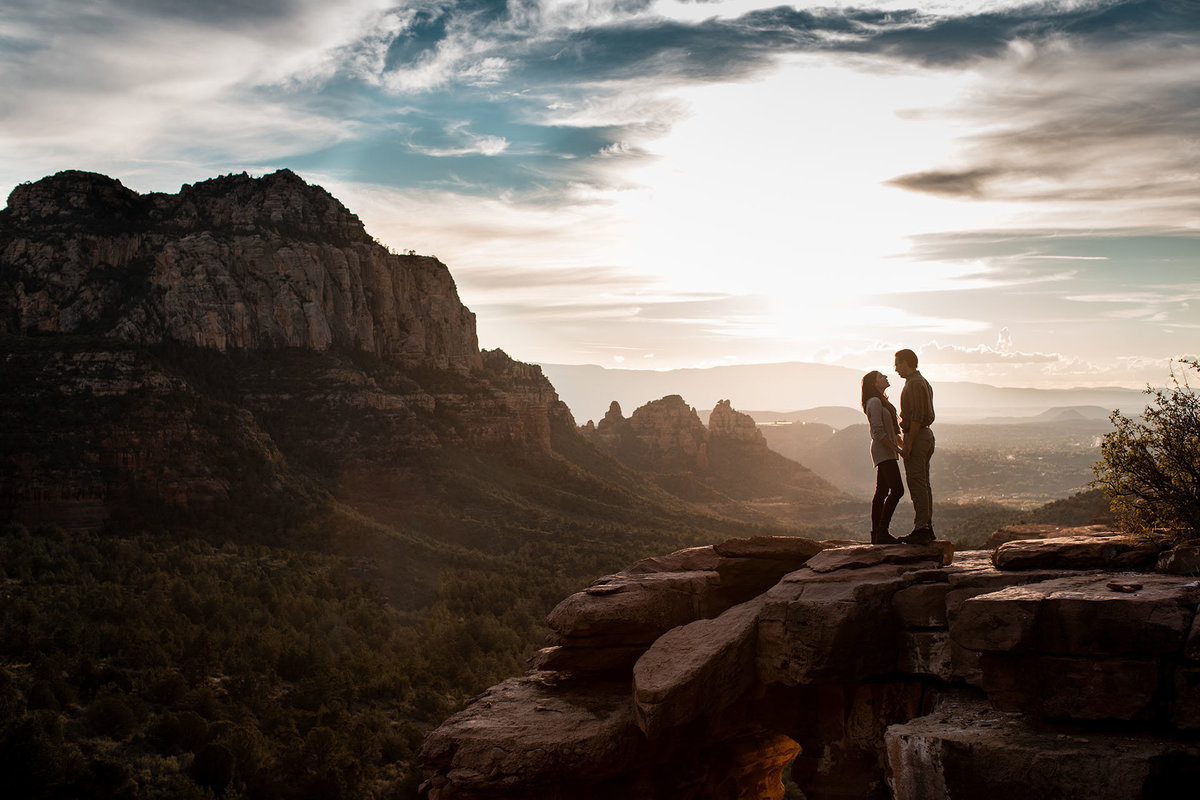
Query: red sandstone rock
1181, 560
1185, 698
1013, 533
696, 669
777, 548
530, 732
841, 655
727, 423
922, 605
637, 609
1078, 552
967, 750
1080, 616
690, 560
222, 275
834, 626
1056, 687
939, 553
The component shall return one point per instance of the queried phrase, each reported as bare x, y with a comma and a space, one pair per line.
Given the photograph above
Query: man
916, 447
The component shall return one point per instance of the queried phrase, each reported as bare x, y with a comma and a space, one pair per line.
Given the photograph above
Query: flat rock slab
939, 552
536, 729
1078, 552
966, 749
785, 548
1013, 533
1081, 615
693, 559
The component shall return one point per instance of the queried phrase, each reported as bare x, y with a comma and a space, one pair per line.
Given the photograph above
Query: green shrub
112, 716
1151, 468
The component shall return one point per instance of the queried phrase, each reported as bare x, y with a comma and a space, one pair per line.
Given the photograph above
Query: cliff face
231, 263
1063, 667
726, 465
241, 344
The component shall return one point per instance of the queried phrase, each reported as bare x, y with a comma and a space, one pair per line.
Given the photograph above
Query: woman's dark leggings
889, 488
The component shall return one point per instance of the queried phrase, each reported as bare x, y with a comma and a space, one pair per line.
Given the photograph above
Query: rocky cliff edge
1064, 664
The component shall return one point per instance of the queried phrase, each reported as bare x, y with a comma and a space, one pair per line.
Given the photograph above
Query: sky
1012, 189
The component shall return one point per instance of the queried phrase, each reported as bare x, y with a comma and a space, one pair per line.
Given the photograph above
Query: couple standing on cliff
909, 438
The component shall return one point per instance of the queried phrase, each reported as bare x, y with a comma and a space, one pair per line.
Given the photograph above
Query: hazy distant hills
1022, 461
587, 390
725, 466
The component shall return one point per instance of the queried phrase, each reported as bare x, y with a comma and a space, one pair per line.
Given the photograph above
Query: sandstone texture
1088, 551
226, 349
1032, 530
233, 262
879, 672
966, 748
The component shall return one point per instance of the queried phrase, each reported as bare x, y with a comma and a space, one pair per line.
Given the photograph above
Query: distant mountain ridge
587, 390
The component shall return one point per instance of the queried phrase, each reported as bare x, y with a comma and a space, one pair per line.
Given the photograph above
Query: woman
885, 450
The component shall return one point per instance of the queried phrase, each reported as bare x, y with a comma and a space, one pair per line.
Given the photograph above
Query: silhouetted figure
885, 452
916, 446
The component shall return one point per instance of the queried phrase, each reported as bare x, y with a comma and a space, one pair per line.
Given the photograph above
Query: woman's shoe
883, 538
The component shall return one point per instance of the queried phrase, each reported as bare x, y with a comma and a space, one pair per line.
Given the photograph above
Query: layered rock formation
233, 262
726, 466
879, 671
241, 347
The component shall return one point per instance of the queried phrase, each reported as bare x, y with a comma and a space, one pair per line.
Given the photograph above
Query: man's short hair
907, 356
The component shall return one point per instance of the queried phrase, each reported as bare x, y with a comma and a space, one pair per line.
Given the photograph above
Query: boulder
1013, 533
696, 669
1078, 552
1181, 560
531, 731
586, 657
637, 609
